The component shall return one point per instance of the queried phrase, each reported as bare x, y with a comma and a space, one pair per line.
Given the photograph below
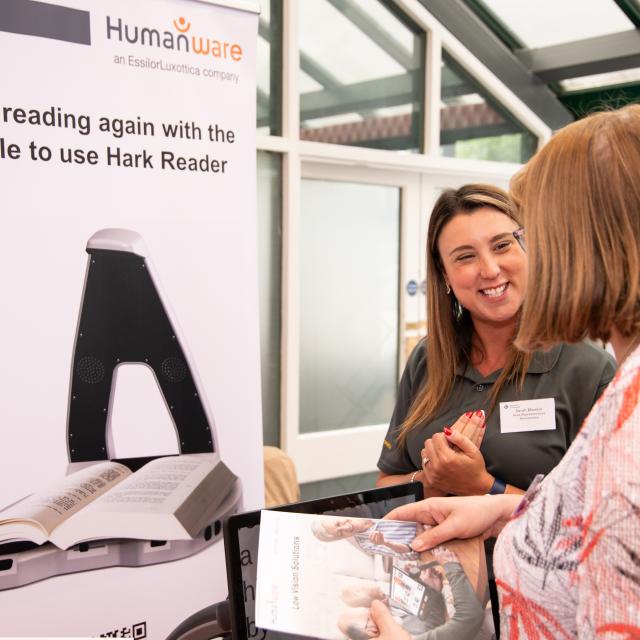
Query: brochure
318, 575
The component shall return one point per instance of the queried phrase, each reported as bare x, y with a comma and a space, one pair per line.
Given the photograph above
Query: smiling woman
484, 266
455, 427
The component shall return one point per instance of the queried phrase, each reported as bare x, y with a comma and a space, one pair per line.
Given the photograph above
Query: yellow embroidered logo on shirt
388, 444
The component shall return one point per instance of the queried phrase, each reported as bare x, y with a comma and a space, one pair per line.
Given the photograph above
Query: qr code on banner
136, 631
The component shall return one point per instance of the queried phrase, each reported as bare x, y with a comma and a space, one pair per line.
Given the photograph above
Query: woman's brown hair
449, 325
580, 201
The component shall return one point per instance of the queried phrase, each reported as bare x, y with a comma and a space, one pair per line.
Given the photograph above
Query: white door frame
338, 452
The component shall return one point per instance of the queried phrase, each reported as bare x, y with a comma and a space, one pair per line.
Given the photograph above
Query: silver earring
448, 289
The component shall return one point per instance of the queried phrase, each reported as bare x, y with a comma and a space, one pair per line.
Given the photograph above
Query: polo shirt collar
541, 362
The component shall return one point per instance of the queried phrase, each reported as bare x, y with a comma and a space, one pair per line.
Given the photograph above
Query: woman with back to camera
476, 277
567, 561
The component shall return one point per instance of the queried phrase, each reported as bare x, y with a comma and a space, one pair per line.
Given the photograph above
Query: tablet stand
124, 319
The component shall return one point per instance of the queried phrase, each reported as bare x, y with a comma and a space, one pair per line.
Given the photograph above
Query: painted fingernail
468, 414
479, 413
447, 431
483, 425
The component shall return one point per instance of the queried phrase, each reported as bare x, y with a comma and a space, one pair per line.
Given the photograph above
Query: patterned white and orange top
568, 563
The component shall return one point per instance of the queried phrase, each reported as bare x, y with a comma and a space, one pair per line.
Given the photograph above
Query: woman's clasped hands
452, 462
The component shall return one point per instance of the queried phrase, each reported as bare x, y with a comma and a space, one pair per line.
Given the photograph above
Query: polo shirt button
479, 387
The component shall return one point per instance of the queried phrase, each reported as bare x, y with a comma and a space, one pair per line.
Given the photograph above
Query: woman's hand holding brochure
457, 517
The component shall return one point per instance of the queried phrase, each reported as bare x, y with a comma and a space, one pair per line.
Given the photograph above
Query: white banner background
200, 230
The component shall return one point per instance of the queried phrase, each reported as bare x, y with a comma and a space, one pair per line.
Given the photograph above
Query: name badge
528, 415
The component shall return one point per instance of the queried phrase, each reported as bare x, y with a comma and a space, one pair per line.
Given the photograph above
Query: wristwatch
498, 486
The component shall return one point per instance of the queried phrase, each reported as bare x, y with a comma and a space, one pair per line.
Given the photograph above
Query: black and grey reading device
124, 319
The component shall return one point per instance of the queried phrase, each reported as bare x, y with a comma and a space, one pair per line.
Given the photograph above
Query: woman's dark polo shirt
573, 374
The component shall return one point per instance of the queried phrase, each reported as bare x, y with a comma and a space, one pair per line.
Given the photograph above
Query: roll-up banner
129, 310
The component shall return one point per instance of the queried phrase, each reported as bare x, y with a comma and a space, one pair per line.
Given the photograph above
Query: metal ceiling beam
484, 45
327, 80
378, 93
369, 94
450, 136
584, 57
499, 28
361, 19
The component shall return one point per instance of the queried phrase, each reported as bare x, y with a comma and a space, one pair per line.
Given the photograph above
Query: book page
161, 486
53, 506
318, 576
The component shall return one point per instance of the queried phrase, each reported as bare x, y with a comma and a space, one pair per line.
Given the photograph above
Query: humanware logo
178, 39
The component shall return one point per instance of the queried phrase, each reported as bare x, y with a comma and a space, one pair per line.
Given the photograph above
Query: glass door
357, 246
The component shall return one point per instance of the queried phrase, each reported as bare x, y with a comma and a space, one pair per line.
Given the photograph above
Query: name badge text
528, 415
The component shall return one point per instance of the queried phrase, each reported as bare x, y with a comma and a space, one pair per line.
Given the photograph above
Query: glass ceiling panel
361, 75
542, 23
601, 80
325, 35
474, 125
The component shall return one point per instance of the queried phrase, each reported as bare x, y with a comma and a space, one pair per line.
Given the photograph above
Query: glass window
269, 286
475, 126
269, 68
350, 256
361, 75
547, 22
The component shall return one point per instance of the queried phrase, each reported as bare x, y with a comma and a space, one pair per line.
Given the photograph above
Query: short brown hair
579, 197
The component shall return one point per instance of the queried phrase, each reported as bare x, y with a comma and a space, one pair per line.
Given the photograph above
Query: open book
318, 575
171, 498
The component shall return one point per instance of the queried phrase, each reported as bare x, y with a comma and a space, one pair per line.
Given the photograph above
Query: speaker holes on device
90, 370
174, 369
